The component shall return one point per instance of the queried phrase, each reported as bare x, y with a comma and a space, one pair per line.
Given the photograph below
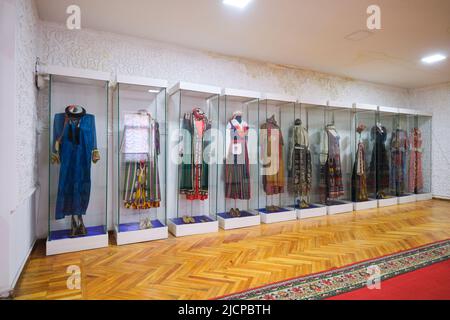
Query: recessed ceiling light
153, 91
434, 58
237, 3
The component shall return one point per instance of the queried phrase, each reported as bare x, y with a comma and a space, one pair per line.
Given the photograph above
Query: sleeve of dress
263, 145
323, 147
157, 139
57, 132
95, 152
291, 148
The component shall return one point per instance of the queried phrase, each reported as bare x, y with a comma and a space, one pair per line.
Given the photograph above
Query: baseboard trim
441, 198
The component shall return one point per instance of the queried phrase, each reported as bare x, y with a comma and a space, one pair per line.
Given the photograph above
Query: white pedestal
193, 228
365, 205
55, 247
387, 202
137, 236
275, 217
340, 208
424, 196
407, 199
239, 222
319, 211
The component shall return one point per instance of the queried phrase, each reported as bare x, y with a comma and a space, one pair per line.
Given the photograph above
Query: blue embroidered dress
74, 147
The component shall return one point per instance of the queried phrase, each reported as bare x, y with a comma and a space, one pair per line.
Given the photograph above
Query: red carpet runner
419, 273
429, 283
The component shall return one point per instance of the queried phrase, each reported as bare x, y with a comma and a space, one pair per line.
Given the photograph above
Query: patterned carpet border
337, 281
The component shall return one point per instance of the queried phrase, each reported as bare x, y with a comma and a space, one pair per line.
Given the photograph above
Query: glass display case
238, 172
364, 193
78, 160
421, 146
381, 162
337, 142
309, 123
193, 116
139, 143
277, 200
403, 157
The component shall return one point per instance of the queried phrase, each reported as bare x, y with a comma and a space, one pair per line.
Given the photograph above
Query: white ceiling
309, 34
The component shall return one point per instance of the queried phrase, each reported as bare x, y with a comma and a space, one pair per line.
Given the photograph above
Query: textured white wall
17, 217
110, 52
436, 99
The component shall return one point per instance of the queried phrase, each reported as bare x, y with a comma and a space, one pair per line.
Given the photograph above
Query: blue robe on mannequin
74, 148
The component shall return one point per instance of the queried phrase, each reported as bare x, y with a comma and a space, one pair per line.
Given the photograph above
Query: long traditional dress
359, 183
74, 146
415, 162
271, 141
379, 164
140, 149
194, 167
332, 172
237, 168
399, 150
299, 163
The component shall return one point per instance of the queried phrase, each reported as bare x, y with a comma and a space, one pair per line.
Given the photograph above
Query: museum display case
337, 142
78, 160
310, 121
238, 188
403, 157
364, 194
192, 171
139, 162
421, 141
381, 159
277, 200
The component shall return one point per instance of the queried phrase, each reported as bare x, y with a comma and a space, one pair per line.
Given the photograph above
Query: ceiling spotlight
237, 3
434, 58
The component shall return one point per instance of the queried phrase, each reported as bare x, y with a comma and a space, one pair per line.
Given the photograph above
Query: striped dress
140, 150
237, 169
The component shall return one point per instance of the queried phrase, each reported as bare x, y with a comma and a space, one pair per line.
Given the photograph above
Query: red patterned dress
415, 162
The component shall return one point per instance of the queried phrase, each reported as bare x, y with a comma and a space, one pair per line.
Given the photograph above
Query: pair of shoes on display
145, 224
235, 213
77, 229
188, 220
381, 195
272, 208
304, 205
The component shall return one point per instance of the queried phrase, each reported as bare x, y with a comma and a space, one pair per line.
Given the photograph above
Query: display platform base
424, 196
246, 219
314, 210
387, 202
130, 233
337, 207
282, 215
365, 205
408, 198
60, 242
180, 229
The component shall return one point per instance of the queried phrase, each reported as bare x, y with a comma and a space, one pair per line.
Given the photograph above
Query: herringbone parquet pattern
207, 266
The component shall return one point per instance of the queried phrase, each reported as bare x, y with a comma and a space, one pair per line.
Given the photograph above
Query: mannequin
140, 150
271, 141
331, 174
300, 165
237, 168
194, 165
74, 148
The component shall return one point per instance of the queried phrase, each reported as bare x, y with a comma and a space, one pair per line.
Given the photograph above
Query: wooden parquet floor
208, 266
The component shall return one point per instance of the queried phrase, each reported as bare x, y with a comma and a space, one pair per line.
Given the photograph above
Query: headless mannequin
235, 212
